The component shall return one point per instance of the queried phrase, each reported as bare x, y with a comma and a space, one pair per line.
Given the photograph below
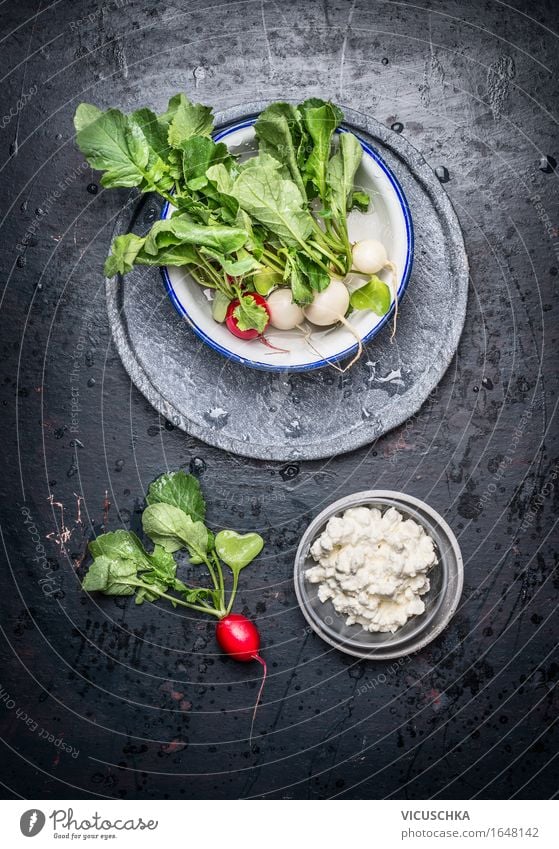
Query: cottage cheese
373, 566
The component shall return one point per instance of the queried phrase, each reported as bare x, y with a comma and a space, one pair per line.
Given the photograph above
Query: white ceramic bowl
389, 221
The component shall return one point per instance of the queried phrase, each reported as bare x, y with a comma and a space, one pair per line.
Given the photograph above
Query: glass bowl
446, 579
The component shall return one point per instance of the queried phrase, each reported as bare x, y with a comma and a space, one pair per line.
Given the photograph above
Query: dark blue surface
142, 694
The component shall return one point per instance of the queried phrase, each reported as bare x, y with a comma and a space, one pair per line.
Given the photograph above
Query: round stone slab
304, 415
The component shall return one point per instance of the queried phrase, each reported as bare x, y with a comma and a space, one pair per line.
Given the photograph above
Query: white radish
329, 307
284, 313
370, 257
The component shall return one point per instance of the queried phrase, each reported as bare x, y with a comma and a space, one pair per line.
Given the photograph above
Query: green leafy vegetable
173, 529
180, 230
320, 119
250, 315
111, 576
123, 254
187, 120
374, 295
360, 200
237, 551
341, 172
173, 520
280, 133
239, 224
179, 490
275, 202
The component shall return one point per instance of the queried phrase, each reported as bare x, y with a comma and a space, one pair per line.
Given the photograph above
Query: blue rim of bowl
230, 355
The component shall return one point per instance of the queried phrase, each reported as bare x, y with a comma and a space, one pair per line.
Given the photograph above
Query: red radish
238, 637
232, 323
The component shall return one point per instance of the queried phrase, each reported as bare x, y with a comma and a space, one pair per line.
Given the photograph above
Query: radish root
308, 333
392, 268
264, 675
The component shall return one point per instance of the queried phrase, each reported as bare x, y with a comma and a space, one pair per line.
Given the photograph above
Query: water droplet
91, 382
39, 287
20, 261
93, 188
289, 472
198, 466
548, 164
217, 417
58, 136
119, 465
442, 173
202, 668
169, 426
397, 126
384, 60
476, 389
24, 205
487, 383
40, 211
150, 215
293, 428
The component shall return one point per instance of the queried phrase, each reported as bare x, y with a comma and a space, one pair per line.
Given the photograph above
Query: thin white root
354, 332
392, 268
307, 336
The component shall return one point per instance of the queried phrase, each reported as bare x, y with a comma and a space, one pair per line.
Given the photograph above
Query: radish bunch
174, 519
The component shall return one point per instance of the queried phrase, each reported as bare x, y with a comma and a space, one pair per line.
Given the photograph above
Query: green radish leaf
316, 277
199, 153
250, 315
280, 132
273, 201
320, 120
374, 295
124, 252
341, 172
360, 200
85, 115
111, 144
120, 545
173, 529
264, 281
179, 490
173, 255
111, 577
300, 289
238, 550
237, 267
180, 230
186, 120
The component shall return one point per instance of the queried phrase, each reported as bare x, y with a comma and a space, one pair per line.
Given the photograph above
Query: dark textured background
141, 694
